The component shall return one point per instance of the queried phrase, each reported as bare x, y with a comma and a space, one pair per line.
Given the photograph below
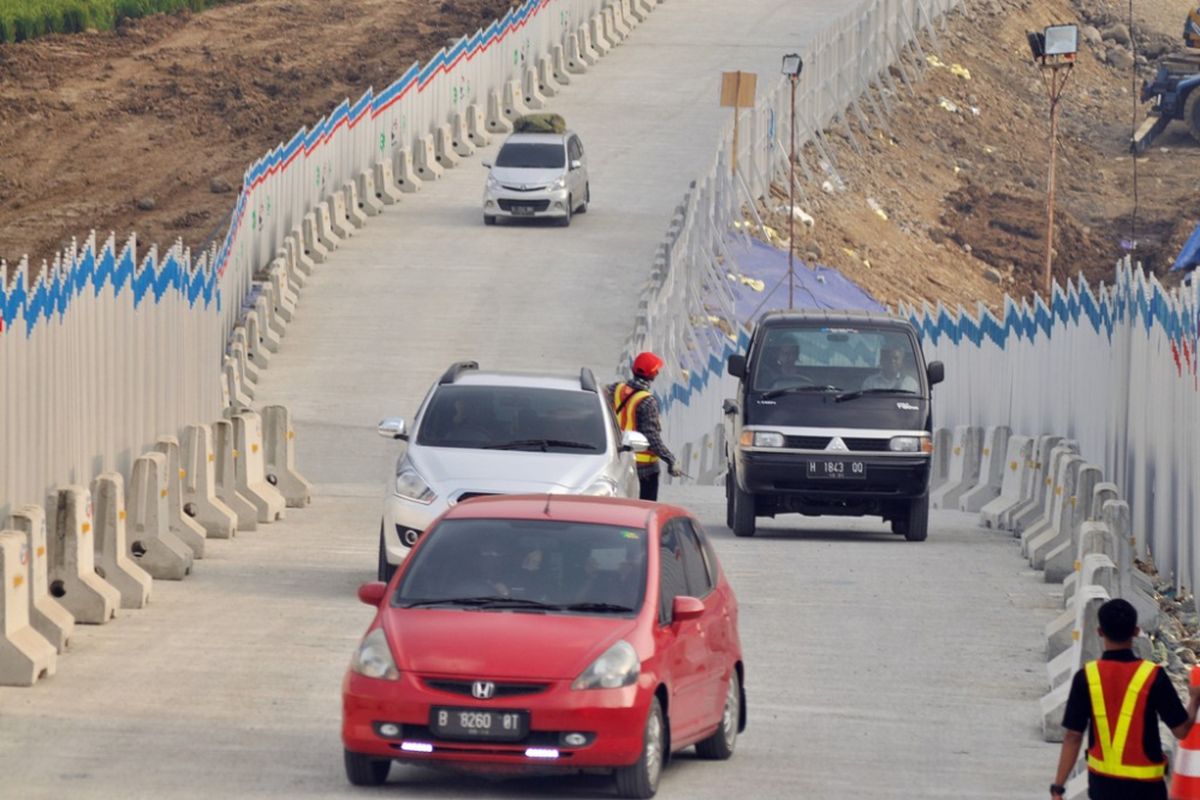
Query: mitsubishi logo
483, 690
837, 444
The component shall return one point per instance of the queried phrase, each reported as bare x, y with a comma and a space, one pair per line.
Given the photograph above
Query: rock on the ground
146, 204
1117, 32
1091, 35
219, 186
1120, 58
993, 275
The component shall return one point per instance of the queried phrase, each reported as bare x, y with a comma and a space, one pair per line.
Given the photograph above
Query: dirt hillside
150, 127
945, 198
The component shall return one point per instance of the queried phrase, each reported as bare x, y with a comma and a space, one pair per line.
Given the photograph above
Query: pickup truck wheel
1191, 114
729, 498
917, 525
743, 512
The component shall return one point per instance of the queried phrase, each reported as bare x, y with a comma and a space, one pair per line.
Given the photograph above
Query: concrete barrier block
460, 137
531, 89
314, 249
387, 191
1043, 535
47, 616
297, 278
1018, 458
497, 122
339, 220
225, 473
369, 201
294, 241
513, 102
405, 174
558, 66
993, 461
239, 348
186, 529
280, 457
257, 350
617, 21
596, 36
587, 47
232, 385
25, 655
1061, 555
153, 546
355, 214
443, 148
939, 469
477, 126
964, 467
546, 85
113, 563
1032, 489
72, 563
284, 301
639, 10
575, 60
1085, 640
425, 159
270, 327
325, 233
199, 485
1043, 494
1053, 705
250, 471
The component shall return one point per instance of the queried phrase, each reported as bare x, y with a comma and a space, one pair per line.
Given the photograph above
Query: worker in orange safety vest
1119, 701
637, 410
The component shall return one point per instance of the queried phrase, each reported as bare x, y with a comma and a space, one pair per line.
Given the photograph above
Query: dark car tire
640, 780
1191, 114
917, 528
587, 198
565, 220
729, 498
489, 219
723, 741
743, 512
366, 770
386, 570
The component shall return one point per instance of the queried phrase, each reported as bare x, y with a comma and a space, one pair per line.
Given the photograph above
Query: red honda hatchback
534, 633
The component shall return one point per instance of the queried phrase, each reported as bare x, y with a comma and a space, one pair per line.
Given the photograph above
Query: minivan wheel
917, 528
640, 780
386, 570
587, 198
721, 744
366, 771
489, 219
743, 511
565, 220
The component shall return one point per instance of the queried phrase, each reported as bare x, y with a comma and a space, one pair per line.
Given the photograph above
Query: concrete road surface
876, 668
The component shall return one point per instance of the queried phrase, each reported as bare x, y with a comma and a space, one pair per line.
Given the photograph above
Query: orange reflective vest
625, 402
1122, 687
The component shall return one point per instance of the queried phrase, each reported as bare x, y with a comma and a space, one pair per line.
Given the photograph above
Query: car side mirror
684, 608
632, 441
393, 428
486, 164
577, 164
372, 593
737, 366
730, 407
935, 372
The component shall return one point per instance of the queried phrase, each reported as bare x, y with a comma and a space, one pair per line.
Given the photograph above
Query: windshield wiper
542, 443
796, 389
855, 395
612, 608
490, 601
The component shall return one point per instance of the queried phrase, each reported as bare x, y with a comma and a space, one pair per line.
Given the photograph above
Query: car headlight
618, 666
910, 444
762, 439
603, 487
412, 486
561, 183
492, 183
374, 658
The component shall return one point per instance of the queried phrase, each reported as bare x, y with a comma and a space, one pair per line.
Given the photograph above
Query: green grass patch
28, 19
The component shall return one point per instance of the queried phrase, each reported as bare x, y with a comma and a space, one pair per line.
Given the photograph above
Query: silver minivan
537, 175
486, 433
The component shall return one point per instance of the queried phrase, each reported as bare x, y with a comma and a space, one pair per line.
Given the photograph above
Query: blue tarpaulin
1189, 257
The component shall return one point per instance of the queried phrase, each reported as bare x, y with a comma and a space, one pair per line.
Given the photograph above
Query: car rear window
529, 155
566, 566
514, 418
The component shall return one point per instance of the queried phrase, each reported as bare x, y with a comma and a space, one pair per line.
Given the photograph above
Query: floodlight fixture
1062, 40
792, 65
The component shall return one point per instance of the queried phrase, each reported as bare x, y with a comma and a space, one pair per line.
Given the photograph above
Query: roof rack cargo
587, 380
451, 375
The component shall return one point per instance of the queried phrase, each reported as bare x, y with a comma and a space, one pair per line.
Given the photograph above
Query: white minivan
537, 175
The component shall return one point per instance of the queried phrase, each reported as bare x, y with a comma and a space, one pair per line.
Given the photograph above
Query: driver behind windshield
890, 375
783, 368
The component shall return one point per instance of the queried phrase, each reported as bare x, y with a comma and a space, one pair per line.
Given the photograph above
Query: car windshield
836, 359
514, 418
543, 566
530, 155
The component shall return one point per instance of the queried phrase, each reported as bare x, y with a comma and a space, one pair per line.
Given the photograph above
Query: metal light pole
1054, 52
792, 65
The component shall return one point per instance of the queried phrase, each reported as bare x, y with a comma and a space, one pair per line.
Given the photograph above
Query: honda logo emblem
483, 690
837, 444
